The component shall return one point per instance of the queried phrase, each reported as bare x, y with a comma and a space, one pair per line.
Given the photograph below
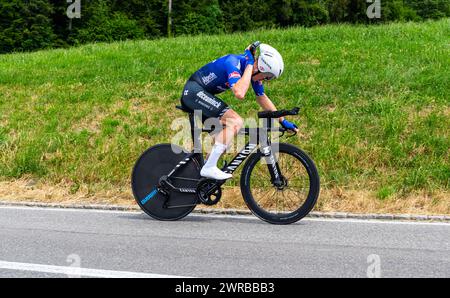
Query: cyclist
235, 72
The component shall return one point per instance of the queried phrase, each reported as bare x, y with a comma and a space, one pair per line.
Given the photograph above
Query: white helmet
270, 61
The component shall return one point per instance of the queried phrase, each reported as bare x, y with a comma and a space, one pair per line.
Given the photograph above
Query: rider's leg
232, 124
195, 97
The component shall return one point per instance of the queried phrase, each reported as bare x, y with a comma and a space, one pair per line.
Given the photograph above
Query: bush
102, 25
430, 9
151, 15
30, 25
205, 17
309, 14
237, 16
396, 10
25, 26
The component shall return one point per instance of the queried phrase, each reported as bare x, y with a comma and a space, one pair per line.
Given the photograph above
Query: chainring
208, 191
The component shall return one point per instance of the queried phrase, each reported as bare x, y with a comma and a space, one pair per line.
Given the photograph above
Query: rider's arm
241, 87
265, 103
240, 84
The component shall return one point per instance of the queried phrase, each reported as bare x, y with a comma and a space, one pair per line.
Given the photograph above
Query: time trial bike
279, 182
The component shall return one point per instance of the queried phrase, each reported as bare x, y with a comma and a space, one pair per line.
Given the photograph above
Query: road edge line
314, 214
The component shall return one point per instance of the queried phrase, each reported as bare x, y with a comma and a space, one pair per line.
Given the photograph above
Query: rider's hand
289, 126
249, 57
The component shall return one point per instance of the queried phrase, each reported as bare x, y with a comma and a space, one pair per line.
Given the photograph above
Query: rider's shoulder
233, 59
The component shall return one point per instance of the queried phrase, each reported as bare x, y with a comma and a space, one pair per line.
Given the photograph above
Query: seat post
195, 134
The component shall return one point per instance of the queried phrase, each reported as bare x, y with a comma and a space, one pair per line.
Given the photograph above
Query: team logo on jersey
209, 78
234, 74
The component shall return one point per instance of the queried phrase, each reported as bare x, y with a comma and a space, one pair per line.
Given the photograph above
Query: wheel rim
157, 161
285, 200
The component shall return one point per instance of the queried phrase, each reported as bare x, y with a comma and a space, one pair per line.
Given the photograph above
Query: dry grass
31, 190
360, 201
337, 199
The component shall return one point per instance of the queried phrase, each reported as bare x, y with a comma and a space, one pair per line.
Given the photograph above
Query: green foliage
308, 14
150, 14
25, 25
40, 24
396, 10
194, 18
385, 192
430, 9
114, 26
237, 15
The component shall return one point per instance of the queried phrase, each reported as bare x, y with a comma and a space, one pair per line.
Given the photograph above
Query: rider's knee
234, 121
239, 122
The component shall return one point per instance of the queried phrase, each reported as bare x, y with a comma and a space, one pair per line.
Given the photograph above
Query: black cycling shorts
195, 97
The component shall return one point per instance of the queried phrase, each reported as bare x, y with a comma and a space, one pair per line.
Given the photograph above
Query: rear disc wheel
155, 163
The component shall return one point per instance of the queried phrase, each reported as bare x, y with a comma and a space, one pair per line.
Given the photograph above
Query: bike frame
261, 134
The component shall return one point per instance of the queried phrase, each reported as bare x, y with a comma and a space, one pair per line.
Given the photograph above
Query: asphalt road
40, 242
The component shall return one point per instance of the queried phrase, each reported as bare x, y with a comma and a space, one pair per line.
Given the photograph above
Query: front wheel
286, 203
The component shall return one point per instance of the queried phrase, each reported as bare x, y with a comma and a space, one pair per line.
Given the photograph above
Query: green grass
376, 108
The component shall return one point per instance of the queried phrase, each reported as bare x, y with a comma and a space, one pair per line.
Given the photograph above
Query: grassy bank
376, 110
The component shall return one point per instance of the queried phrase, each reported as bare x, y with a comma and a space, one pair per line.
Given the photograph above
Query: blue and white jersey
221, 74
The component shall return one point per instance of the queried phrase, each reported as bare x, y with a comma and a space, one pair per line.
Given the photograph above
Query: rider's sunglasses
268, 76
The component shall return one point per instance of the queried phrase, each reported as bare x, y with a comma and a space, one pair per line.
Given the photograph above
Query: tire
255, 179
154, 163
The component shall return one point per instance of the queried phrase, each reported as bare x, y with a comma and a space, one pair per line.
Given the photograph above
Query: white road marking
77, 271
343, 220
56, 209
378, 221
228, 216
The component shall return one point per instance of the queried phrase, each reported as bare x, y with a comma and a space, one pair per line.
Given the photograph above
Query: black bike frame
261, 134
